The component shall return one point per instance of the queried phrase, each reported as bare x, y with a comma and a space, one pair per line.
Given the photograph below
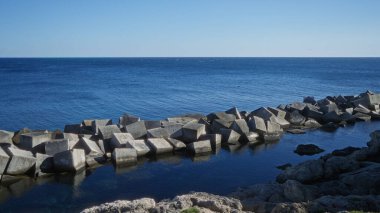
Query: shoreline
92, 143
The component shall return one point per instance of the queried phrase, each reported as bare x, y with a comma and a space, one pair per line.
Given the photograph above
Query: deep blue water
48, 93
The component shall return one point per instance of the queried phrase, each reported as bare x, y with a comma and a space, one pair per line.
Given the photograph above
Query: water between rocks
219, 173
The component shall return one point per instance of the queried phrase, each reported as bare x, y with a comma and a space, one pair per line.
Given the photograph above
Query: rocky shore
93, 142
344, 180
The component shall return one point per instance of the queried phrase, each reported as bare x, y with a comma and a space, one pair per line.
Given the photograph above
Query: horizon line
55, 57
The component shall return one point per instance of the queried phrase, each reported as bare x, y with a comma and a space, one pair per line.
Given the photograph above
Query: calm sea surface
49, 93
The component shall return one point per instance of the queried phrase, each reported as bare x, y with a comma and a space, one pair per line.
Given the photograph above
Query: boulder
257, 124
313, 112
44, 164
4, 159
124, 156
296, 131
157, 133
200, 147
309, 100
240, 126
332, 116
296, 106
349, 110
55, 146
137, 129
297, 192
362, 117
177, 144
140, 146
106, 132
218, 124
234, 111
127, 119
90, 147
336, 165
6, 136
308, 149
306, 172
95, 124
120, 140
34, 141
252, 136
345, 151
311, 123
152, 124
70, 160
230, 136
159, 145
192, 131
215, 140
364, 180
362, 109
21, 161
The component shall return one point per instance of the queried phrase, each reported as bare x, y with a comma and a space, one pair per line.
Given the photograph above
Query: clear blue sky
70, 28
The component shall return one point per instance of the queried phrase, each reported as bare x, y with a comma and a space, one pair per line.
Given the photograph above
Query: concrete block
124, 156
73, 128
192, 131
120, 140
362, 109
329, 108
157, 133
181, 120
263, 113
279, 113
21, 161
55, 146
230, 136
73, 139
105, 146
90, 147
218, 124
159, 145
70, 161
44, 164
6, 136
4, 159
152, 124
106, 132
215, 140
200, 147
257, 124
222, 116
273, 127
174, 130
95, 160
177, 144
252, 136
240, 126
34, 141
140, 146
234, 111
99, 123
127, 119
137, 129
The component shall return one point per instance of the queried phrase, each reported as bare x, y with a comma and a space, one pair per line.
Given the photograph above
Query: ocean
47, 93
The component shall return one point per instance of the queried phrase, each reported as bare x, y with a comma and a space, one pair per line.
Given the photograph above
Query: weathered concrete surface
137, 129
127, 119
70, 161
34, 141
159, 145
21, 161
96, 124
140, 146
106, 132
120, 139
6, 136
90, 147
4, 159
229, 136
157, 133
55, 146
215, 140
124, 156
257, 124
177, 144
192, 131
44, 165
200, 147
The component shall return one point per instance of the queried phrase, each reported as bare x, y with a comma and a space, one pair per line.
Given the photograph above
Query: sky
189, 28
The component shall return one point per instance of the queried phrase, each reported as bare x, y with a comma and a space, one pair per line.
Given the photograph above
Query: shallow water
48, 93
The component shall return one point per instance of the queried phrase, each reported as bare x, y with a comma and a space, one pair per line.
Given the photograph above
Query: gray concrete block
4, 159
234, 111
44, 164
127, 119
106, 132
34, 141
73, 139
99, 123
124, 156
278, 112
90, 147
55, 146
140, 146
200, 147
73, 128
257, 124
192, 131
273, 127
6, 136
137, 129
230, 136
70, 161
174, 130
240, 126
218, 124
215, 140
105, 146
157, 133
120, 139
151, 124
181, 120
177, 144
95, 160
159, 145
21, 161
222, 116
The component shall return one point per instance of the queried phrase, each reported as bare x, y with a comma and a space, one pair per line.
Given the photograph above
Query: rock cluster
95, 141
344, 180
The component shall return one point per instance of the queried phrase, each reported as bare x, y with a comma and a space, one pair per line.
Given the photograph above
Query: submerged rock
308, 149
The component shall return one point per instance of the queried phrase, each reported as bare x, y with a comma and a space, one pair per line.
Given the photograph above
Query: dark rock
296, 118
284, 167
308, 149
345, 151
296, 131
310, 100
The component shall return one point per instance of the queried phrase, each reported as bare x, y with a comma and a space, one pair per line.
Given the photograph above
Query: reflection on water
165, 176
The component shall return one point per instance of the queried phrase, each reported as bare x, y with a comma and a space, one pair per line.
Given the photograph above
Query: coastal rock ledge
344, 180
